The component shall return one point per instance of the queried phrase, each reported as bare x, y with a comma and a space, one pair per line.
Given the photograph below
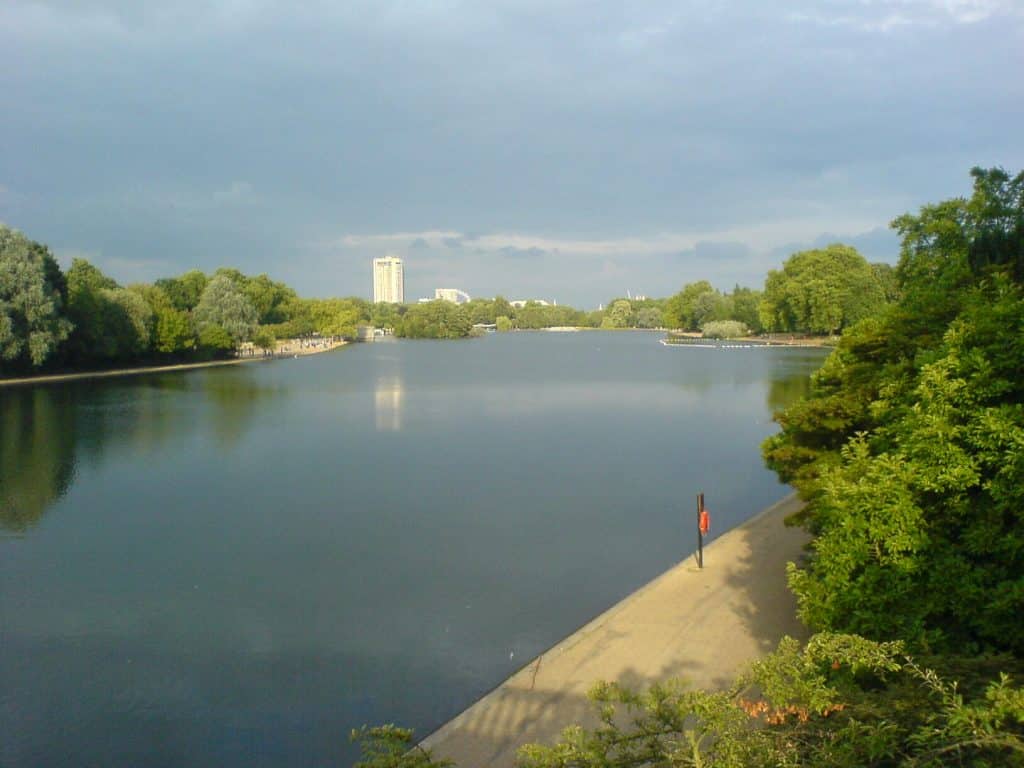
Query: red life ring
705, 522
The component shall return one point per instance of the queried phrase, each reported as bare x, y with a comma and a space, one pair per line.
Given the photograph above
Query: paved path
702, 625
59, 378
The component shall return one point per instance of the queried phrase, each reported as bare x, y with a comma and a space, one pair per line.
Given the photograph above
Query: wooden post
700, 534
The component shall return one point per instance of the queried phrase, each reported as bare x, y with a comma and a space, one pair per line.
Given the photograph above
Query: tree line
85, 319
909, 453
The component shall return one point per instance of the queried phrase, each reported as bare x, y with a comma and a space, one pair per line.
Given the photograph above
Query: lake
235, 566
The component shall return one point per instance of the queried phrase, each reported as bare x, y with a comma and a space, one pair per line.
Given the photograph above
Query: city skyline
509, 147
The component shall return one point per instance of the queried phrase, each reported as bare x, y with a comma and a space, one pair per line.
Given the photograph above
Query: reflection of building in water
387, 399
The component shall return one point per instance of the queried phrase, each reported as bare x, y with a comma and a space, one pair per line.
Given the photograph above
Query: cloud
512, 252
888, 15
717, 251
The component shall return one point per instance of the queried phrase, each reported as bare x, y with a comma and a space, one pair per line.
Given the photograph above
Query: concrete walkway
60, 378
702, 625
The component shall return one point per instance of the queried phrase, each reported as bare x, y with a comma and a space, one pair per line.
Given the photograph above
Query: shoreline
701, 624
58, 378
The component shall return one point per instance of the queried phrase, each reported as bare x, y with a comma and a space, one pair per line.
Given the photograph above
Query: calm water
234, 567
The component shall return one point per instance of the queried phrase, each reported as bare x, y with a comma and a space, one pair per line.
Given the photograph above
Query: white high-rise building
454, 295
388, 280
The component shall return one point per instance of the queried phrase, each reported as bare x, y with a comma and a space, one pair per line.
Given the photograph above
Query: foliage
821, 291
185, 291
388, 746
619, 315
724, 329
335, 317
435, 320
745, 305
680, 309
534, 316
111, 323
841, 701
270, 299
215, 341
224, 305
31, 302
649, 317
264, 339
910, 449
502, 323
172, 332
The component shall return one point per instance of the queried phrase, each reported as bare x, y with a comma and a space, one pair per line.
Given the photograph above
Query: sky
565, 150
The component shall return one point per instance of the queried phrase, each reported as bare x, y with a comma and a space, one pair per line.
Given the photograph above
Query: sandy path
61, 377
702, 625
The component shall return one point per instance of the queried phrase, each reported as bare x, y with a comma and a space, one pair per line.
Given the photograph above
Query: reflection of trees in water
235, 397
786, 371
45, 431
785, 391
37, 453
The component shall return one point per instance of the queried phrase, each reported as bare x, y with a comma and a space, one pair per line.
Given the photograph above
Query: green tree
335, 317
435, 320
618, 315
680, 308
264, 339
32, 324
908, 448
821, 291
269, 298
172, 332
224, 305
745, 304
841, 701
112, 324
649, 317
502, 323
185, 291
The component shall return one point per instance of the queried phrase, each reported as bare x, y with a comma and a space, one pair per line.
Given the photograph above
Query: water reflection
37, 453
784, 391
387, 401
46, 431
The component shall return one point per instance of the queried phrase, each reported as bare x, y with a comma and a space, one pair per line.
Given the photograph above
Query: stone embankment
701, 625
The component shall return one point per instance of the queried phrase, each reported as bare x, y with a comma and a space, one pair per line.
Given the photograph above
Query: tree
908, 450
435, 320
112, 324
265, 340
649, 317
32, 324
679, 309
335, 317
185, 291
172, 332
502, 323
618, 315
841, 701
269, 298
821, 291
745, 303
223, 304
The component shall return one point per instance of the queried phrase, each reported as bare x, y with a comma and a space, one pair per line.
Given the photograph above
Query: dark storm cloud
250, 132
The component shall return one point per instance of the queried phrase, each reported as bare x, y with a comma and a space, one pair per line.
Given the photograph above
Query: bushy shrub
724, 329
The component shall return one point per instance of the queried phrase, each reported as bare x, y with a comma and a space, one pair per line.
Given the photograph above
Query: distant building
454, 295
388, 280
